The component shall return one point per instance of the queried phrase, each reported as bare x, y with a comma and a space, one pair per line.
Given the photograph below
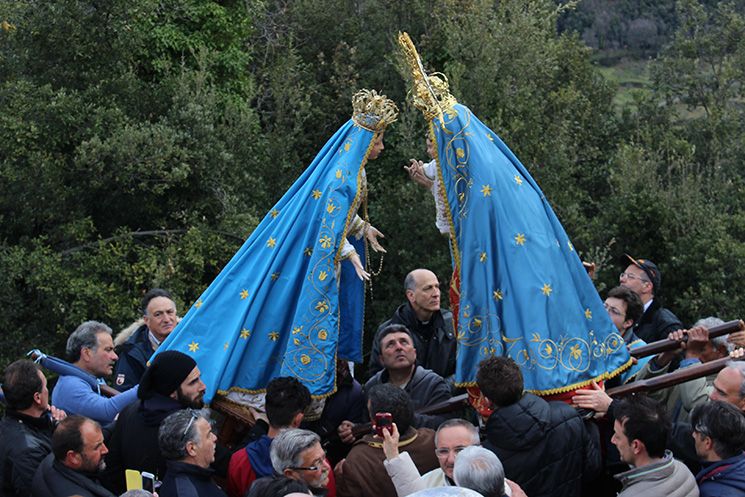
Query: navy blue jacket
189, 480
725, 478
133, 356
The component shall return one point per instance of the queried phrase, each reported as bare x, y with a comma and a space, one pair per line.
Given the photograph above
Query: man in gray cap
171, 382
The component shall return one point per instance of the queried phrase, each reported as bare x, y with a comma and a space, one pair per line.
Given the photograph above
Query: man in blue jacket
719, 435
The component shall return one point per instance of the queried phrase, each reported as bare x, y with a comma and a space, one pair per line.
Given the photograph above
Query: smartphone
383, 421
148, 481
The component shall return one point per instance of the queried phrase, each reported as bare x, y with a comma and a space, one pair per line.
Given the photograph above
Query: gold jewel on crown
372, 111
431, 93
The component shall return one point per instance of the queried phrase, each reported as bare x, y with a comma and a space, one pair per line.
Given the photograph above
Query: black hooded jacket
544, 446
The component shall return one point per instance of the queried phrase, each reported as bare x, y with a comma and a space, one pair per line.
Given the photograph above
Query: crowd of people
684, 440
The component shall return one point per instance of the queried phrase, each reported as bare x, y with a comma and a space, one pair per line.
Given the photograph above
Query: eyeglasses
613, 310
317, 465
443, 452
194, 416
630, 276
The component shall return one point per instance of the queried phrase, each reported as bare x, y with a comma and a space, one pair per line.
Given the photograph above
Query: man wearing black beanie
171, 382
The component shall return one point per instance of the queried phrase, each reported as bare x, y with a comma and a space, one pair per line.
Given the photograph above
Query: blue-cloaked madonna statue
291, 300
523, 291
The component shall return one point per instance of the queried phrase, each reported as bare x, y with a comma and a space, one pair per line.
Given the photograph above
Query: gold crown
431, 92
372, 111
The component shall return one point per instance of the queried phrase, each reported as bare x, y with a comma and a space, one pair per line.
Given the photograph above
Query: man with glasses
298, 454
644, 278
188, 444
451, 438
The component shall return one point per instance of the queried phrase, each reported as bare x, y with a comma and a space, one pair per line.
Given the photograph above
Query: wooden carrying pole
667, 344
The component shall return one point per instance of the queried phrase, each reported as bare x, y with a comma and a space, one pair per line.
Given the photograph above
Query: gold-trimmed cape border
568, 388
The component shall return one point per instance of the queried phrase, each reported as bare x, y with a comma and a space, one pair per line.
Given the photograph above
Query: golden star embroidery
245, 333
297, 329
305, 359
576, 351
271, 242
330, 208
325, 241
273, 336
571, 247
460, 153
198, 303
322, 306
308, 251
244, 294
316, 194
275, 276
338, 174
497, 294
322, 275
588, 313
547, 290
520, 239
347, 146
518, 180
482, 257
486, 190
193, 346
274, 213
323, 335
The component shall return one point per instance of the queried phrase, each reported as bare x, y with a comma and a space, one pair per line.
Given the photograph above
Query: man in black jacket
187, 442
171, 383
431, 327
645, 279
26, 430
159, 318
76, 460
544, 446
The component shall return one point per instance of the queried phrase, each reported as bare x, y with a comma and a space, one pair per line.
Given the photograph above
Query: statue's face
377, 148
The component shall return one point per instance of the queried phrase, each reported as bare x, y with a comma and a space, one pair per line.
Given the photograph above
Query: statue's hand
416, 173
358, 267
372, 235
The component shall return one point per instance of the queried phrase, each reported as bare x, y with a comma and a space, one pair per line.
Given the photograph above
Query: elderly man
639, 432
137, 343
298, 454
644, 277
362, 474
431, 327
26, 430
451, 438
719, 435
188, 444
481, 470
77, 457
172, 382
90, 348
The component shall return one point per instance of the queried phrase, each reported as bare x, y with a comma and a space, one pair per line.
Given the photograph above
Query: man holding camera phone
362, 473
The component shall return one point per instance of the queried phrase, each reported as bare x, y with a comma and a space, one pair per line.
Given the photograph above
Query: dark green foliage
141, 141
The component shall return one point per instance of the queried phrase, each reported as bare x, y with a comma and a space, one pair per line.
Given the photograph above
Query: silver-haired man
298, 454
188, 444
